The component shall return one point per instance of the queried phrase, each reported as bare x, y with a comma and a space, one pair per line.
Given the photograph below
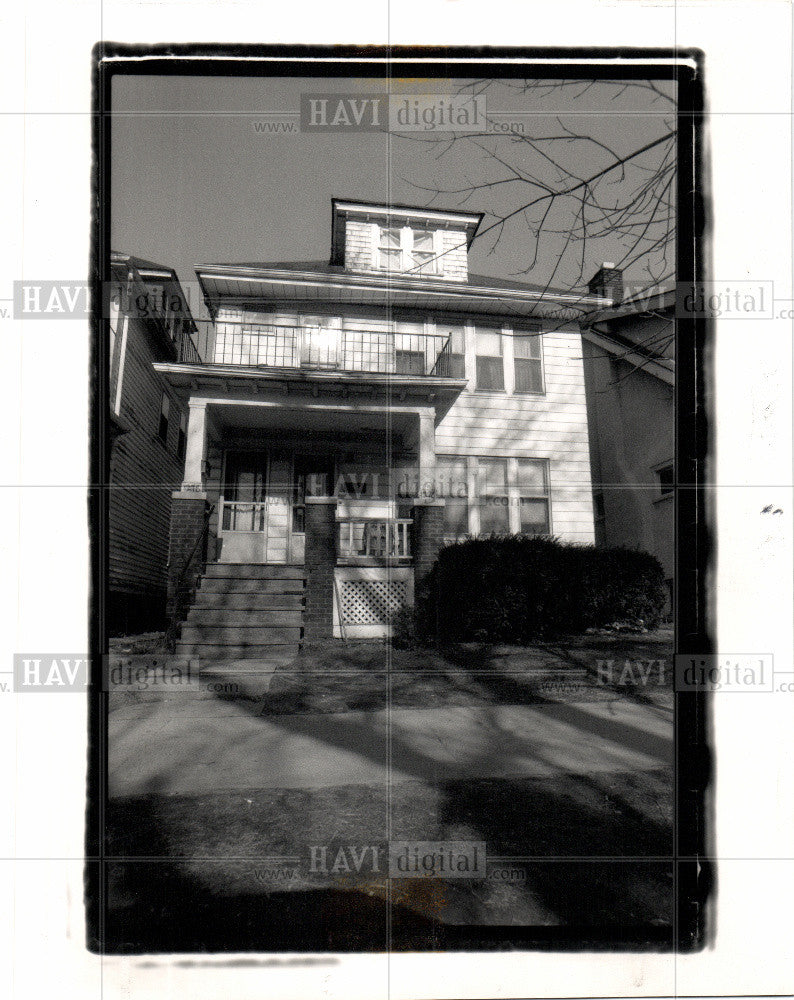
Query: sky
196, 180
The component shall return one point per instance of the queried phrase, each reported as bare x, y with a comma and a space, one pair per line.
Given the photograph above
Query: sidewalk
189, 746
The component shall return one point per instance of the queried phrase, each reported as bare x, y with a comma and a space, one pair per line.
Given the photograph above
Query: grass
585, 852
340, 677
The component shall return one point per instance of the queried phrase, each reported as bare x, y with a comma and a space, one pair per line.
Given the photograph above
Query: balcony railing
329, 349
374, 538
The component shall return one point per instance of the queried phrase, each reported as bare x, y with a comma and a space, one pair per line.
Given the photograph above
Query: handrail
170, 634
379, 538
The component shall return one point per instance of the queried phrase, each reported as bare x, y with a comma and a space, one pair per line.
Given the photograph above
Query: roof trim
653, 366
402, 284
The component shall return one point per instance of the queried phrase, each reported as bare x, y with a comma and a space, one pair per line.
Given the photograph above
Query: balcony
332, 349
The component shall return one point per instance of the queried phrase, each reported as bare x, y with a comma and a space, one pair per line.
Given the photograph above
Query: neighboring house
355, 415
629, 352
149, 321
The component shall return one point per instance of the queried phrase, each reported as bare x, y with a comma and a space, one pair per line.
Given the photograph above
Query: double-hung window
453, 486
490, 361
422, 252
528, 361
390, 254
533, 496
494, 496
452, 342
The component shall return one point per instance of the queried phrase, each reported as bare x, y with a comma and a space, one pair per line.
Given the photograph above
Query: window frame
432, 267
489, 357
513, 492
536, 335
522, 493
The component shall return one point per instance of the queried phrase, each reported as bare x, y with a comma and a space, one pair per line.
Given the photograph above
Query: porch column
187, 550
320, 564
195, 446
428, 535
427, 452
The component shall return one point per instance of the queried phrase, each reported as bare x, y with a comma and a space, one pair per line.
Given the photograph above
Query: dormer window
411, 251
423, 252
390, 255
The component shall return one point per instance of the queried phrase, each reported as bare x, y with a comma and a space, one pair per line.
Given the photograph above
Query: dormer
422, 243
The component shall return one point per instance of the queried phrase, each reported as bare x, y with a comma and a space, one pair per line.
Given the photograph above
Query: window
390, 250
528, 362
423, 253
407, 250
493, 496
409, 344
666, 478
453, 361
533, 496
182, 438
162, 430
490, 364
452, 484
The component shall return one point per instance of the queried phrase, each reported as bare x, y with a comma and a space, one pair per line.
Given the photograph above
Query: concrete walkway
192, 746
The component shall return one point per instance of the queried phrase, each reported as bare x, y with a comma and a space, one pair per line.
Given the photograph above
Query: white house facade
352, 417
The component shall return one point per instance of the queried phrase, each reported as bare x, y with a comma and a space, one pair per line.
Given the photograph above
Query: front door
255, 508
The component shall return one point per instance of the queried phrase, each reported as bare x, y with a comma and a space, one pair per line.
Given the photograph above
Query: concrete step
233, 585
226, 601
254, 571
238, 635
215, 652
248, 618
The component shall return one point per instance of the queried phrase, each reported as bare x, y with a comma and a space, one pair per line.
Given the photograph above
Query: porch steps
245, 611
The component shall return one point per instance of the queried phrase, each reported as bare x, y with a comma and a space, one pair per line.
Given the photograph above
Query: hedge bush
517, 589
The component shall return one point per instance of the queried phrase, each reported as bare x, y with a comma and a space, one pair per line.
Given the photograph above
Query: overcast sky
194, 181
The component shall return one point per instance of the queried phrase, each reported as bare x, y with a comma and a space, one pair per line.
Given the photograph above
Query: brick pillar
187, 524
428, 536
320, 563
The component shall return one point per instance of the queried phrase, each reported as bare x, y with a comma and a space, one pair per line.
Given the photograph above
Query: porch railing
374, 538
330, 348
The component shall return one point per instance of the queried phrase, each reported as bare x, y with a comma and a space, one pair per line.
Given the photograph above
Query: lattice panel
371, 602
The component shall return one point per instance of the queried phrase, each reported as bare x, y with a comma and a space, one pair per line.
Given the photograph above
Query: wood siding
550, 426
143, 472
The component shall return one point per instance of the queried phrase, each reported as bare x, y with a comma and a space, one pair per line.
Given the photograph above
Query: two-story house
629, 353
355, 415
149, 321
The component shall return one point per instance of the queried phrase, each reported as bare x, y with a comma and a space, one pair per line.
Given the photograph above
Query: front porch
327, 488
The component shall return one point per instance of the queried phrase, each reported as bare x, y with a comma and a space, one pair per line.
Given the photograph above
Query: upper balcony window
490, 361
408, 250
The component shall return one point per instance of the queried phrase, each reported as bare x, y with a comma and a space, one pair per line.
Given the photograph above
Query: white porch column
427, 451
196, 445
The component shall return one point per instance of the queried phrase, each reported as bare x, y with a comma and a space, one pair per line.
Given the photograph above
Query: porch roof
226, 379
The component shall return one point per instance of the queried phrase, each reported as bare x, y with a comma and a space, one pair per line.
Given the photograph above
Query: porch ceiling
282, 419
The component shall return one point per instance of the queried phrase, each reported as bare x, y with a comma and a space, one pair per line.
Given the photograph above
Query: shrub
518, 589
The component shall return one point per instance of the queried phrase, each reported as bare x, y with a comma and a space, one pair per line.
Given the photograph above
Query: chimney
607, 282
